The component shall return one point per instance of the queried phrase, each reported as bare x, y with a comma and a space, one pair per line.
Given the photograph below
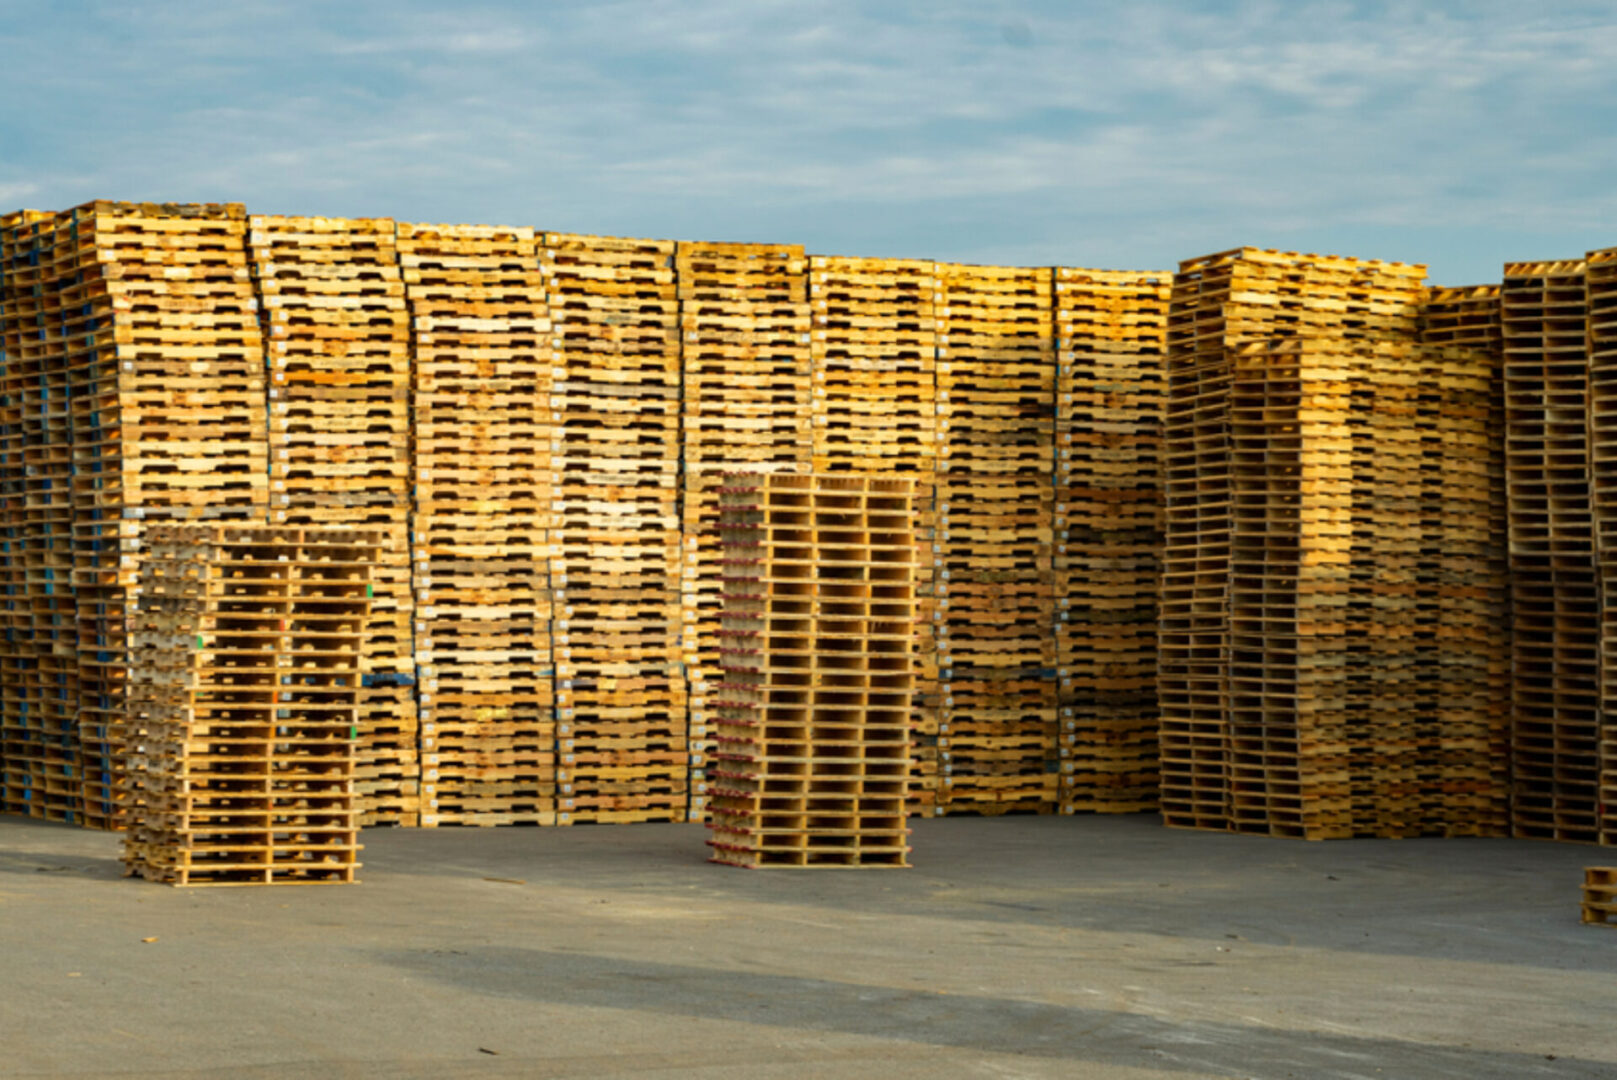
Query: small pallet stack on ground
1111, 333
26, 746
166, 362
874, 410
1555, 596
245, 684
1601, 289
1220, 305
338, 345
622, 736
744, 349
482, 524
811, 755
996, 369
1600, 895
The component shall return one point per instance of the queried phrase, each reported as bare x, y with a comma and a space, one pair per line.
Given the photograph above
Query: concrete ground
1105, 948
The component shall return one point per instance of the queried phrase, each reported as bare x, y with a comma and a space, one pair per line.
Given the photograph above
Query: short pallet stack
482, 524
1111, 330
874, 410
744, 346
811, 755
245, 683
167, 363
1555, 595
623, 738
1600, 895
338, 336
996, 367
1601, 288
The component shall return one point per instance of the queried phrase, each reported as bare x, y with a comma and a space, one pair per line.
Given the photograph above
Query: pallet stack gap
622, 731
1111, 333
811, 755
996, 369
244, 685
337, 332
481, 547
1555, 599
744, 348
874, 410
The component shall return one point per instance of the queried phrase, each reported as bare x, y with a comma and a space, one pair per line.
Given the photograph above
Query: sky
1457, 133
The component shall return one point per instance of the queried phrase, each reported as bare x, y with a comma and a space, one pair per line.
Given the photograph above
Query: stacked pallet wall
338, 338
1111, 330
1601, 312
995, 589
1555, 602
744, 348
623, 738
874, 410
482, 524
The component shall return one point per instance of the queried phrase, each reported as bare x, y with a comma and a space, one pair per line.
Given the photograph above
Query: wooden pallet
1599, 906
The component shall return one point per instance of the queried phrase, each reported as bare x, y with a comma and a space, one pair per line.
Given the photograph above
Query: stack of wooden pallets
338, 341
37, 744
245, 682
1111, 331
482, 517
164, 357
1601, 285
744, 347
1329, 556
1359, 675
996, 368
1555, 595
621, 719
874, 411
811, 754
1600, 895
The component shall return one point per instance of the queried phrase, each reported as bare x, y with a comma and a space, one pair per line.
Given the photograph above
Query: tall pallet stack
1360, 627
811, 754
1555, 595
1601, 290
245, 684
996, 368
166, 359
874, 411
338, 341
1111, 332
621, 710
38, 746
744, 346
482, 526
1222, 305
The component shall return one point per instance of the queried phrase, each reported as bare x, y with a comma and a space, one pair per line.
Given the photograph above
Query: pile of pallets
482, 516
1111, 332
1331, 578
338, 338
166, 362
39, 747
621, 719
811, 755
1554, 588
874, 411
996, 367
1601, 288
1600, 895
244, 685
744, 349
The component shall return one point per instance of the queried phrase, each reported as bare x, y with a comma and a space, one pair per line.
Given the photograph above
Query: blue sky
1126, 134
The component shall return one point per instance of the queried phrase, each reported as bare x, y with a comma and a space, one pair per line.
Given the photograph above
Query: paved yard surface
1104, 948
